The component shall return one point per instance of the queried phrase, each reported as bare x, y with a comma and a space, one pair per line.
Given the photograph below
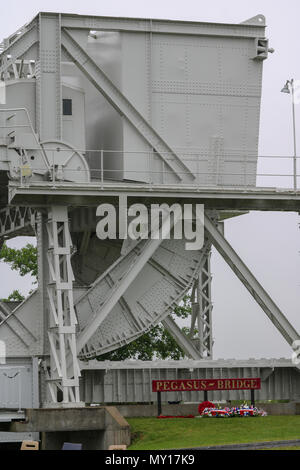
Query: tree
155, 344
15, 296
23, 260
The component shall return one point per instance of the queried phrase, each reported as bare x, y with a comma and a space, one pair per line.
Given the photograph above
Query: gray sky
268, 242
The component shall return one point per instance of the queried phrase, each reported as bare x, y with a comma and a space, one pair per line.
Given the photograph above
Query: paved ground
250, 446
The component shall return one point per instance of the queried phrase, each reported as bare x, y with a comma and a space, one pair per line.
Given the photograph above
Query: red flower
203, 405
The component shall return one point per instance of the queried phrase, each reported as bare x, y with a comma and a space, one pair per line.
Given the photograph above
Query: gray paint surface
276, 343
275, 138
18, 390
188, 66
131, 381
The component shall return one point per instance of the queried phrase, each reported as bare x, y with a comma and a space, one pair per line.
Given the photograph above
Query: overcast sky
268, 242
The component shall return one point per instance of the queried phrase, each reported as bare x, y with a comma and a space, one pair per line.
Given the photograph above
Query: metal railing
148, 168
208, 168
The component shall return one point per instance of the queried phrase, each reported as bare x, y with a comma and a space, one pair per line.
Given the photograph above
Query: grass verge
157, 434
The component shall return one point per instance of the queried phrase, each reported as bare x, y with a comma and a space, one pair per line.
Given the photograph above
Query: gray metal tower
122, 111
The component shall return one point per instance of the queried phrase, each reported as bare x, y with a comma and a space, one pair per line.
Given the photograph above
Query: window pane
67, 107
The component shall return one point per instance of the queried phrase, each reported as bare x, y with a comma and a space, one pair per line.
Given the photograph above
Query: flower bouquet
209, 410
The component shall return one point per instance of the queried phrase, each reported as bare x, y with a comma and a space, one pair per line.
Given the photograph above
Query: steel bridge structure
98, 110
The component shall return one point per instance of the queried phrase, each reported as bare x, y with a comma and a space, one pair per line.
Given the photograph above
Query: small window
67, 107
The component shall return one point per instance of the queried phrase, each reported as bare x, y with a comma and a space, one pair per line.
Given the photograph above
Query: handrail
30, 125
149, 172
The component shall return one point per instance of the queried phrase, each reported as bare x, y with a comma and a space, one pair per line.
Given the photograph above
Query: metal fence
272, 171
131, 381
201, 168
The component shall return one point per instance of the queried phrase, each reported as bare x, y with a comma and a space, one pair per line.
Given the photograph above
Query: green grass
156, 434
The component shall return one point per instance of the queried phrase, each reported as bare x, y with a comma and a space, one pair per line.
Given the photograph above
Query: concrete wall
90, 440
292, 408
130, 411
94, 427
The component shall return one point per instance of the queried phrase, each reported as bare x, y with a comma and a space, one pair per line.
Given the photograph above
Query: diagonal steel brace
21, 45
120, 288
250, 282
181, 339
114, 96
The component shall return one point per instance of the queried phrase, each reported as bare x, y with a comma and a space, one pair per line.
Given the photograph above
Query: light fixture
289, 88
286, 88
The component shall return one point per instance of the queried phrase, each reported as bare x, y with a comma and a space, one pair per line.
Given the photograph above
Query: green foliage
184, 309
23, 260
15, 296
156, 344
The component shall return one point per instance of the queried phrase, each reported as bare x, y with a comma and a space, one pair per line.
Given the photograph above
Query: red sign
205, 384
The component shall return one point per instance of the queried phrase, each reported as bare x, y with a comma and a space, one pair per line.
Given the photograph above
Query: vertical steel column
64, 368
58, 296
48, 78
205, 308
202, 308
42, 242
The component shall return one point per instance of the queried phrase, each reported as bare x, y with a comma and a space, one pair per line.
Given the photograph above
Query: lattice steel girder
250, 282
114, 96
21, 69
18, 47
62, 330
181, 339
15, 219
202, 307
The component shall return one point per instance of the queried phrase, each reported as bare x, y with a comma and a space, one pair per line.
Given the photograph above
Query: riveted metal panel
132, 382
19, 389
200, 87
22, 330
193, 85
146, 302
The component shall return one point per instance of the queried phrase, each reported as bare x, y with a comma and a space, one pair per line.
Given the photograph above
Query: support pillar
48, 78
202, 308
64, 369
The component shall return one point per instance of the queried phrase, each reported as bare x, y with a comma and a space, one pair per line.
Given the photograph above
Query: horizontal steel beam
16, 220
139, 25
250, 282
187, 364
229, 199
